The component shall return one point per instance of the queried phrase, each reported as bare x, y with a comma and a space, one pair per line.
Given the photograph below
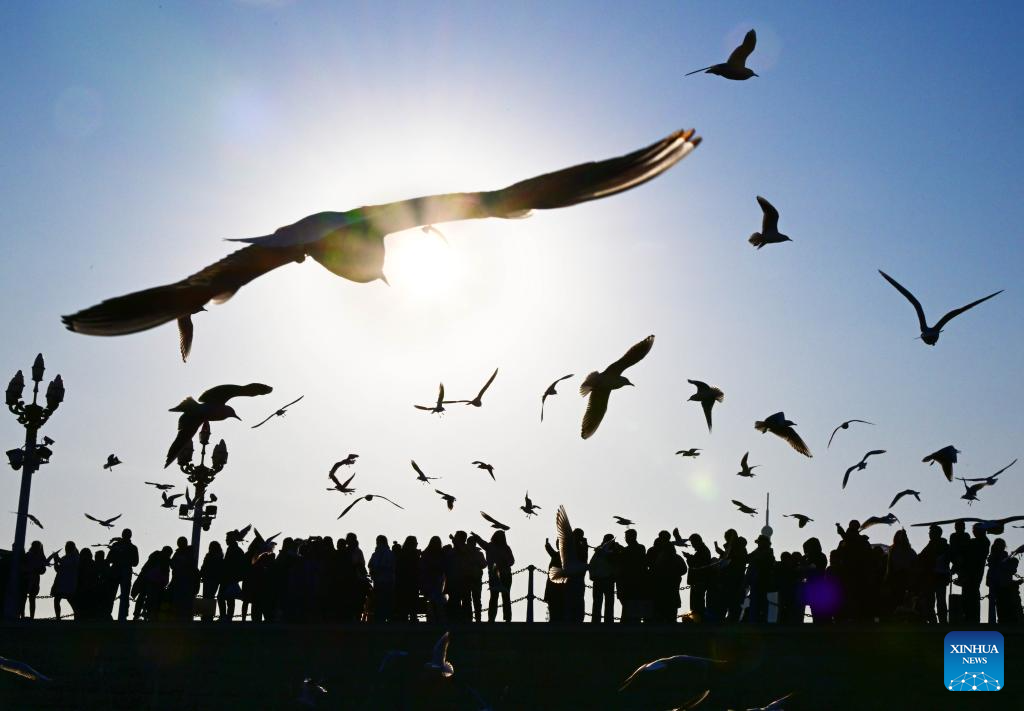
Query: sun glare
422, 264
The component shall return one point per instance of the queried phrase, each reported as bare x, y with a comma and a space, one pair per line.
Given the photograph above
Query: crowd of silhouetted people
319, 579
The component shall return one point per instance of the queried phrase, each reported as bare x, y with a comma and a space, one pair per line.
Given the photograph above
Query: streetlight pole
32, 416
201, 476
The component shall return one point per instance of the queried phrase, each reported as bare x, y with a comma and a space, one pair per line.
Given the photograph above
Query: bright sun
423, 265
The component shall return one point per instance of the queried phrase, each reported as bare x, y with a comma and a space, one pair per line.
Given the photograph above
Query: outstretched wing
738, 58
349, 507
769, 217
142, 310
633, 356
795, 441
846, 477
913, 300
566, 540
597, 405
416, 467
379, 496
965, 519
185, 333
93, 518
493, 521
220, 394
956, 312
487, 384
13, 666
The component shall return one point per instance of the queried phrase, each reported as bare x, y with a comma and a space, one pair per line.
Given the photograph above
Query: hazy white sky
137, 136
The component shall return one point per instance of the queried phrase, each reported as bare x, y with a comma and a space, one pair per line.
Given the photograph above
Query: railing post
529, 593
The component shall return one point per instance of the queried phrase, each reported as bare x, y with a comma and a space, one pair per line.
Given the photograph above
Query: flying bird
906, 492
707, 396
338, 486
989, 525
691, 452
801, 520
845, 426
745, 469
622, 521
861, 465
106, 523
494, 523
991, 479
161, 487
930, 334
368, 497
351, 244
478, 400
346, 462
278, 413
970, 494
735, 67
112, 461
489, 468
437, 407
686, 671
241, 533
420, 476
946, 458
13, 666
743, 508
769, 233
439, 658
599, 385
570, 561
529, 508
448, 499
777, 705
211, 407
33, 519
168, 500
778, 425
551, 391
889, 519
263, 544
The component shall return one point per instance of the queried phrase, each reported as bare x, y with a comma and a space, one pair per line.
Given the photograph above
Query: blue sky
137, 136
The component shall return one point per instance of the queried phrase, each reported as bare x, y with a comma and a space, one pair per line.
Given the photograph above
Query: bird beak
384, 279
755, 74
237, 418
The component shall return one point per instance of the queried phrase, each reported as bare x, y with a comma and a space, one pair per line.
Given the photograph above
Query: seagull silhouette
494, 523
746, 470
13, 666
241, 533
161, 487
368, 497
439, 658
112, 461
351, 244
420, 476
338, 486
991, 479
622, 521
971, 492
478, 400
570, 561
489, 468
946, 458
801, 520
777, 705
264, 544
346, 462
106, 523
889, 519
448, 499
778, 425
685, 671
599, 385
930, 334
551, 391
743, 508
278, 413
691, 452
529, 508
989, 525
906, 492
437, 407
211, 407
33, 519
168, 500
861, 465
707, 396
845, 426
769, 233
735, 67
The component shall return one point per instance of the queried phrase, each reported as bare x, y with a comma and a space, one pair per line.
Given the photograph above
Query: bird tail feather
760, 426
185, 405
757, 239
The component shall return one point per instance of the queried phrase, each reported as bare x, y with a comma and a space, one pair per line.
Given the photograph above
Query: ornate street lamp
200, 476
32, 416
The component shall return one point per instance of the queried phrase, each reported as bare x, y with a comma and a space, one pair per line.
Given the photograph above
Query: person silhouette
382, 573
602, 575
33, 566
123, 558
934, 559
65, 582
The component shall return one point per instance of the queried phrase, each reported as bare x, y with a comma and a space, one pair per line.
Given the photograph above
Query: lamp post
32, 416
200, 475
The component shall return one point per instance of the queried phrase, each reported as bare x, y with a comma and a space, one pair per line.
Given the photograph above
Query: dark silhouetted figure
277, 413
707, 396
599, 385
382, 567
760, 578
769, 233
602, 576
666, 569
124, 556
778, 425
632, 579
551, 391
845, 426
735, 67
930, 334
699, 575
934, 563
478, 401
972, 572
211, 407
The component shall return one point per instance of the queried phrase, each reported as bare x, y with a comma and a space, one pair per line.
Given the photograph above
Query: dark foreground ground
514, 666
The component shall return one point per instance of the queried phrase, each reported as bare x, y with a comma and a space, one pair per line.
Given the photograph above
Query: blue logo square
973, 661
